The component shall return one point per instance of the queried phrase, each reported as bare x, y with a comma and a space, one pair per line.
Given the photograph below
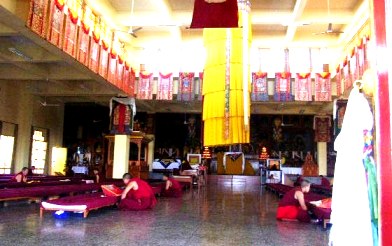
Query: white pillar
322, 157
121, 156
151, 146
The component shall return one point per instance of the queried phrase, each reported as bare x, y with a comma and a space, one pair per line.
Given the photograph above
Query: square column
121, 156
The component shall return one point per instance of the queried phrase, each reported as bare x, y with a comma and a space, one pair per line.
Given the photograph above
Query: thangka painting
122, 111
339, 112
87, 22
283, 87
259, 87
145, 86
201, 76
185, 86
303, 87
94, 45
71, 31
322, 91
165, 87
338, 80
322, 128
56, 19
112, 67
37, 16
353, 66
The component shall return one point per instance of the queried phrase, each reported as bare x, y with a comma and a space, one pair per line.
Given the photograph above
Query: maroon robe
290, 209
141, 199
175, 190
13, 179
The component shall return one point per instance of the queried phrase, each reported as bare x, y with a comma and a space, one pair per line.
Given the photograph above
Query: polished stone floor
230, 211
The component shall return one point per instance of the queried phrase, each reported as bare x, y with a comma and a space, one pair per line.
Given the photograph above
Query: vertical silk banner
185, 86
71, 31
126, 78
354, 65
56, 19
259, 87
37, 16
120, 71
201, 77
322, 90
322, 128
226, 83
145, 86
283, 87
165, 87
360, 58
105, 46
84, 35
346, 74
303, 87
94, 45
112, 70
338, 79
132, 81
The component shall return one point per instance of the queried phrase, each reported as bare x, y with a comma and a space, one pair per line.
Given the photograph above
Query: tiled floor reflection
229, 212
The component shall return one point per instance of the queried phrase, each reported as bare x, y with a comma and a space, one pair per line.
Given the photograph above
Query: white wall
20, 107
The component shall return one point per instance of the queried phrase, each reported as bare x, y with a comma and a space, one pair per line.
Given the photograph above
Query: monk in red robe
292, 206
21, 177
171, 187
137, 195
325, 182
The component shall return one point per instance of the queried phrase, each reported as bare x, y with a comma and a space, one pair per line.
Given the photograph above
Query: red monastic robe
141, 199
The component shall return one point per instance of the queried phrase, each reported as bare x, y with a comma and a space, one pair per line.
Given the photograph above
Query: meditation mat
81, 203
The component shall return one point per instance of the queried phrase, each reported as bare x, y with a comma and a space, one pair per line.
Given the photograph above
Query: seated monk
325, 182
171, 187
21, 177
292, 206
97, 176
137, 195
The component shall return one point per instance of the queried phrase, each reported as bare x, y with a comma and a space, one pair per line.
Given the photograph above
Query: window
8, 133
39, 147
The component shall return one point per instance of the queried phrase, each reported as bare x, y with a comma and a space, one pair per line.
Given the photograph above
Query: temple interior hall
195, 122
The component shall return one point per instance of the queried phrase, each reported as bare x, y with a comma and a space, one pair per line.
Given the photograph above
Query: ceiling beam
296, 15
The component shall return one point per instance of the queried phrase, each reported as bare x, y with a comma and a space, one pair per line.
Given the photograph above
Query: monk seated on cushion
171, 187
20, 177
137, 195
292, 206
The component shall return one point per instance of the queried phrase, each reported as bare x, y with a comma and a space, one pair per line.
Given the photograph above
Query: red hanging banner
126, 77
37, 16
145, 86
338, 79
94, 45
346, 75
71, 30
165, 87
259, 87
132, 82
303, 87
84, 36
201, 76
112, 71
322, 128
353, 66
55, 24
185, 86
106, 35
120, 72
283, 87
322, 91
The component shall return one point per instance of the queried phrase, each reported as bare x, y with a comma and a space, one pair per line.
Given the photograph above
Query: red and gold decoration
322, 128
37, 16
185, 86
95, 44
338, 80
55, 24
201, 77
354, 75
263, 154
71, 30
322, 91
145, 86
259, 87
165, 87
215, 14
119, 81
283, 87
132, 82
303, 87
87, 23
106, 37
226, 83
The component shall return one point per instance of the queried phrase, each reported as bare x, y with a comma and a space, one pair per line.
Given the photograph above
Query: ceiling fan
330, 30
131, 31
